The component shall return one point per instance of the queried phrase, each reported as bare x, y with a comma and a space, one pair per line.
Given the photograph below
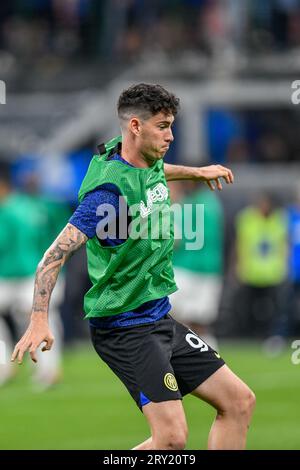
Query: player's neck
133, 156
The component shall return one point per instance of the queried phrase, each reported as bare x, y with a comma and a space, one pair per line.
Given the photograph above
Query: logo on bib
158, 193
170, 382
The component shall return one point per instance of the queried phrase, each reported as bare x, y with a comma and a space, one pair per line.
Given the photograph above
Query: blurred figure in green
261, 267
199, 273
27, 223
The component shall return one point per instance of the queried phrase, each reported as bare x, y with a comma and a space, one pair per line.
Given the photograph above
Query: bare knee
172, 438
242, 405
168, 425
239, 405
248, 403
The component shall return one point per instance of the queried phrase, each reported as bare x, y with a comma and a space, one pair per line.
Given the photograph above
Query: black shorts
157, 362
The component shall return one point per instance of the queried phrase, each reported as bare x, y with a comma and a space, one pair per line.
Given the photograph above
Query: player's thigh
193, 360
225, 391
140, 357
166, 418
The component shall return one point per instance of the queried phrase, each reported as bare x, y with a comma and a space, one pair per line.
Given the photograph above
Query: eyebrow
165, 122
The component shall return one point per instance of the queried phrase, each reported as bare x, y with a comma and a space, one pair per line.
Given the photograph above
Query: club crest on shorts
170, 382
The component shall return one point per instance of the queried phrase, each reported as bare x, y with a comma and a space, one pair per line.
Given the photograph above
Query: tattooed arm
67, 242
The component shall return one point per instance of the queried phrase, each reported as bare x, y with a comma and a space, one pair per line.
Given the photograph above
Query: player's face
156, 135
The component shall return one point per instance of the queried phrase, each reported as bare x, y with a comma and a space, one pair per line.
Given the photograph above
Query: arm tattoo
68, 241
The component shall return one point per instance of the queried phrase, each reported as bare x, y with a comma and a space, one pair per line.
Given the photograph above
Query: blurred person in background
292, 323
261, 250
52, 201
198, 273
26, 224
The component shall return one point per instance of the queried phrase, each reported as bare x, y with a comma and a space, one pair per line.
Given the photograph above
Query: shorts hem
190, 388
160, 401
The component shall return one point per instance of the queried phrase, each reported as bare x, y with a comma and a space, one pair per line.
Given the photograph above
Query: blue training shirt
85, 218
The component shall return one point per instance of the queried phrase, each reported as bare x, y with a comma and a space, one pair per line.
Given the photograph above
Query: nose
170, 136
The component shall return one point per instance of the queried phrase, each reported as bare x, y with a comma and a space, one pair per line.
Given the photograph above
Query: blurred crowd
253, 136
126, 29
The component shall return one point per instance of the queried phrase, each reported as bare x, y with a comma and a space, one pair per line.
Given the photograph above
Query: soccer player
158, 359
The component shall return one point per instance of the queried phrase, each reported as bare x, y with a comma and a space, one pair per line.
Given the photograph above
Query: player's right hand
37, 333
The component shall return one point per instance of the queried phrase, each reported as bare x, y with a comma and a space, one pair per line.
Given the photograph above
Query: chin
161, 154
157, 156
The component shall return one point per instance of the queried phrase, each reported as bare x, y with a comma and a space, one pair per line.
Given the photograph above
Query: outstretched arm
67, 242
207, 174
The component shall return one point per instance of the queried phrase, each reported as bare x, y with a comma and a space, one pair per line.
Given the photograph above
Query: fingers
14, 354
19, 351
210, 185
26, 345
219, 184
227, 174
215, 173
20, 348
48, 345
32, 352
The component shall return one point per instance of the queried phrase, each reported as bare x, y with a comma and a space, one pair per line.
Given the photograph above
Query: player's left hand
213, 173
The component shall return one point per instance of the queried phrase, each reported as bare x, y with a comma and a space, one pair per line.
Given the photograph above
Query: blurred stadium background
232, 63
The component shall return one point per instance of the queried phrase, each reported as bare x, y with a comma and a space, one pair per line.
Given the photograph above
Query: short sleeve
85, 217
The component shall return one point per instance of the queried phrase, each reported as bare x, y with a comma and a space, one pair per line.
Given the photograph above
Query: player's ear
135, 126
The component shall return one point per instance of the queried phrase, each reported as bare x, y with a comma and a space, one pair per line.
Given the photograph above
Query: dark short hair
147, 100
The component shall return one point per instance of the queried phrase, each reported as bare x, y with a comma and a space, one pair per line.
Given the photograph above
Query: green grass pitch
91, 409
